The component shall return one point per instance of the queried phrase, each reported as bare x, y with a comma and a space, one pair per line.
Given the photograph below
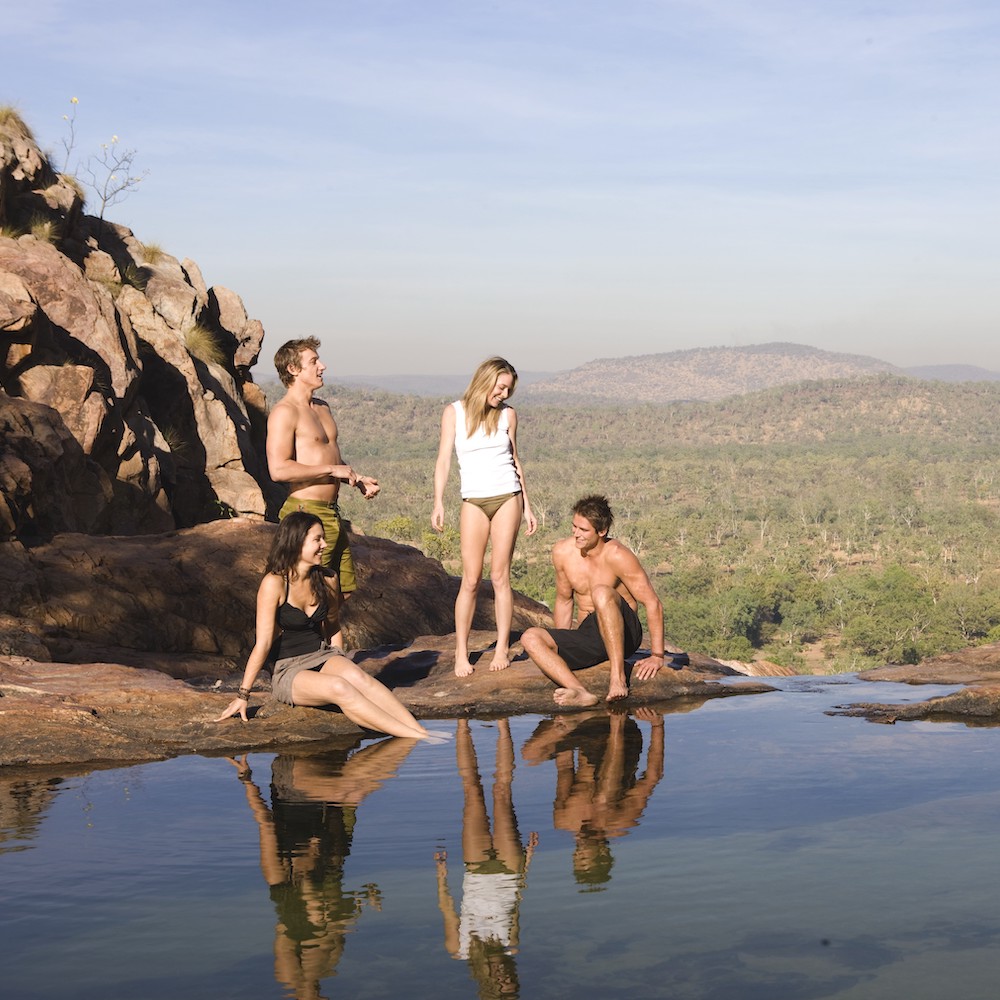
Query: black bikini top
291, 618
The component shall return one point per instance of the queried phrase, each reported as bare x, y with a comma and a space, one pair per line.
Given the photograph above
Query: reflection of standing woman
483, 431
485, 933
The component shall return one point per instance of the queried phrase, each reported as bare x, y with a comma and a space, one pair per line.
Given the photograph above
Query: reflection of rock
138, 373
23, 803
977, 704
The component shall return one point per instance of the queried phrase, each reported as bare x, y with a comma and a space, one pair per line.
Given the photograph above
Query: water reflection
598, 792
485, 931
305, 839
23, 805
810, 856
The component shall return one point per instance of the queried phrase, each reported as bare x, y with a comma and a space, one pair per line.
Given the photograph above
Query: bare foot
616, 692
501, 661
435, 737
574, 697
462, 667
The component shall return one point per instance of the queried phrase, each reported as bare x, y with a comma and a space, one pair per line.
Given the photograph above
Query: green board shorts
337, 554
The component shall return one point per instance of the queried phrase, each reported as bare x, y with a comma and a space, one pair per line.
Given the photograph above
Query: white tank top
486, 461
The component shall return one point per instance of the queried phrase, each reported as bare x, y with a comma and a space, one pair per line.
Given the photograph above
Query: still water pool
750, 847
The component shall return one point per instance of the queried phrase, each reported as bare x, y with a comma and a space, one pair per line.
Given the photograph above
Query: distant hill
953, 373
444, 385
700, 374
705, 373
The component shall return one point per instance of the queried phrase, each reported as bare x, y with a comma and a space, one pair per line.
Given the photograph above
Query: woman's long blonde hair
478, 413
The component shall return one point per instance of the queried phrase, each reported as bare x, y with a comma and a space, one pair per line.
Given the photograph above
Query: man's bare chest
584, 578
313, 429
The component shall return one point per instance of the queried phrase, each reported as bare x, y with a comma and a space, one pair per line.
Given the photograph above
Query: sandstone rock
229, 315
100, 266
77, 323
200, 408
68, 389
759, 668
194, 592
173, 298
65, 197
140, 504
20, 581
121, 614
26, 162
976, 704
47, 483
17, 308
60, 713
981, 663
248, 349
119, 340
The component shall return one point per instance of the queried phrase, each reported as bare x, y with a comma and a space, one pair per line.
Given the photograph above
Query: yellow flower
74, 100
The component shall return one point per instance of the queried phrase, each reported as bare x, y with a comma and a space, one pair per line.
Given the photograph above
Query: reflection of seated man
598, 795
608, 584
496, 866
305, 838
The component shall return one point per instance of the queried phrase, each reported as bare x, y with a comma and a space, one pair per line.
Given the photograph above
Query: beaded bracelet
244, 693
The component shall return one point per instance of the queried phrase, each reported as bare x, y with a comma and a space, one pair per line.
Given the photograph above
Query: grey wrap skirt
286, 669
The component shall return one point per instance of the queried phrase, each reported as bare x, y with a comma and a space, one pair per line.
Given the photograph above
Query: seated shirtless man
302, 451
608, 584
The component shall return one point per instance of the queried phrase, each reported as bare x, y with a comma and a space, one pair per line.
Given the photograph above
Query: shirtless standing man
608, 584
302, 451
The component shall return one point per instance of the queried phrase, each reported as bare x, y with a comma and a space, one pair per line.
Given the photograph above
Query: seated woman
293, 604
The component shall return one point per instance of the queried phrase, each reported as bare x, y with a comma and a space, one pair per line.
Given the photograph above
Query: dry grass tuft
203, 345
11, 120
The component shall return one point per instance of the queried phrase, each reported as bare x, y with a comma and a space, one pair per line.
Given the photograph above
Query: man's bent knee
603, 595
533, 638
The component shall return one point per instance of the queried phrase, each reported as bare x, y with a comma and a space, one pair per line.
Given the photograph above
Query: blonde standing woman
482, 429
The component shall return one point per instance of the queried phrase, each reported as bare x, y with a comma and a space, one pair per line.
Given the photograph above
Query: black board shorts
582, 647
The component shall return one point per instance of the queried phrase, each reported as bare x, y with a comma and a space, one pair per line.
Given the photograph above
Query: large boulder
47, 482
127, 648
147, 367
191, 594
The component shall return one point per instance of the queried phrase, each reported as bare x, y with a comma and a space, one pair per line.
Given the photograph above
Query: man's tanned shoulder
563, 549
615, 551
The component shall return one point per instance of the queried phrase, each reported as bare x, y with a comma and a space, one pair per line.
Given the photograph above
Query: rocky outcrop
184, 601
118, 649
126, 400
59, 714
976, 703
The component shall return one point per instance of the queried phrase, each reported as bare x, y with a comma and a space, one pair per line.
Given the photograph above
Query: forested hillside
829, 525
703, 373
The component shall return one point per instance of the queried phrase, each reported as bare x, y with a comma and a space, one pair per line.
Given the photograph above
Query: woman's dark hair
286, 550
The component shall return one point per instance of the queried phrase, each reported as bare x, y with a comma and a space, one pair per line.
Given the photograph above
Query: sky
425, 183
